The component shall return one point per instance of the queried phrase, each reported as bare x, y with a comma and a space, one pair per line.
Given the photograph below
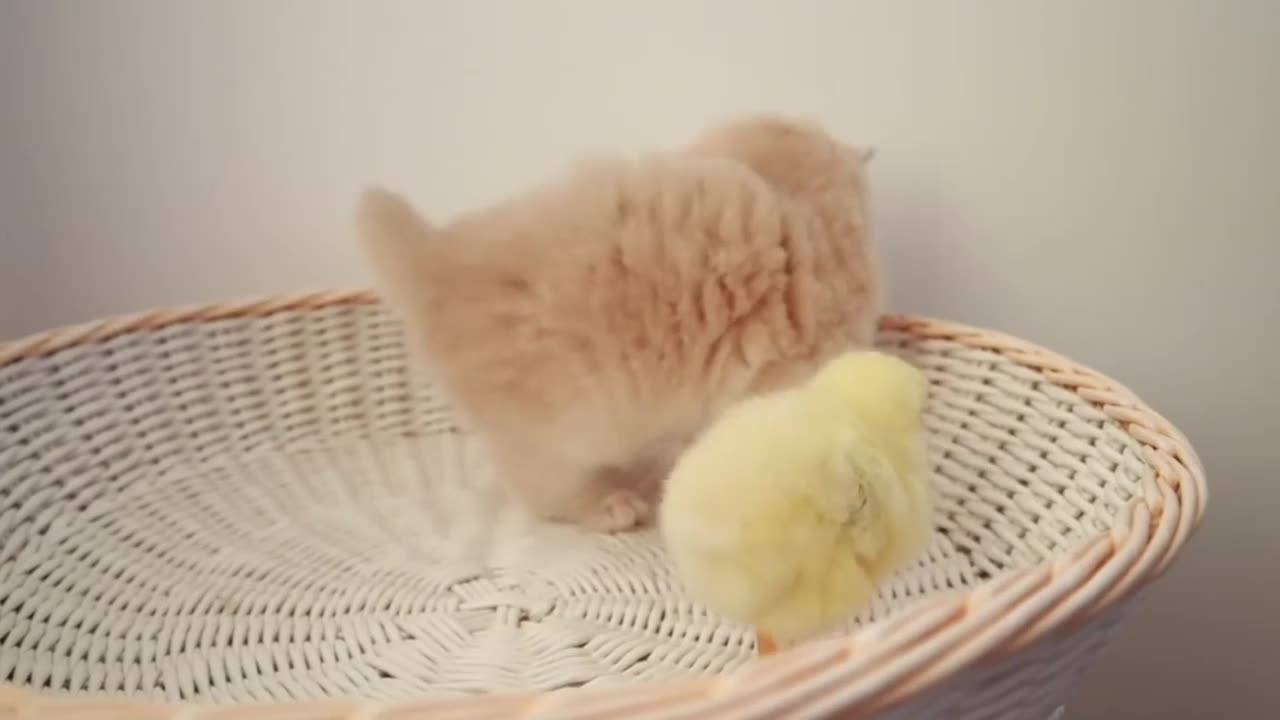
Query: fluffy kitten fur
590, 328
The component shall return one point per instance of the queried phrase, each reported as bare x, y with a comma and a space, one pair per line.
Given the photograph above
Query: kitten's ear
859, 155
395, 239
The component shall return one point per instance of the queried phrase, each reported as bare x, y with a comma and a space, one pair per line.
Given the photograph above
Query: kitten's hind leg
560, 490
617, 511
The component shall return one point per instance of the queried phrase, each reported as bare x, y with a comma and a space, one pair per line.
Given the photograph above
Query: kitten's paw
620, 510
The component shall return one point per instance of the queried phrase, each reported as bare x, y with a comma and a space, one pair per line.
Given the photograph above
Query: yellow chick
791, 508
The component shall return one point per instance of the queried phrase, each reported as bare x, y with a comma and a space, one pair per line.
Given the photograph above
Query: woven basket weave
257, 510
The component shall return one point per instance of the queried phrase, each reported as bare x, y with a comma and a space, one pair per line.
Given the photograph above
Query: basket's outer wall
1009, 648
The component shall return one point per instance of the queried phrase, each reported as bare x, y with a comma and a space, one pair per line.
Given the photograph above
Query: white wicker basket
255, 510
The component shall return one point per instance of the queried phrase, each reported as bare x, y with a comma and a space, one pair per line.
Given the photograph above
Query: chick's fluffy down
789, 510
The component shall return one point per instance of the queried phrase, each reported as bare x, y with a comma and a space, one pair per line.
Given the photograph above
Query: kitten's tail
396, 240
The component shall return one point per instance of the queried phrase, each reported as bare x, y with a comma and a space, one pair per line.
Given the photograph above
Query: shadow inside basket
246, 510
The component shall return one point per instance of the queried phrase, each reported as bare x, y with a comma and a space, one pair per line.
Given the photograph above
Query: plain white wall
1101, 177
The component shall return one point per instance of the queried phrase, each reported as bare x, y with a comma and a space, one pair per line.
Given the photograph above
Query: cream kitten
590, 328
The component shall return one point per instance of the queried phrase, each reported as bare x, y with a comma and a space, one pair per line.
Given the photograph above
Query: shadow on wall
920, 240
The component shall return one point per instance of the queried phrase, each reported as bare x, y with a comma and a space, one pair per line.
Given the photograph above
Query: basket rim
878, 665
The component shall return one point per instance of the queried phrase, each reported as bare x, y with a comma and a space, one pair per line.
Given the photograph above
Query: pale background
1101, 177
